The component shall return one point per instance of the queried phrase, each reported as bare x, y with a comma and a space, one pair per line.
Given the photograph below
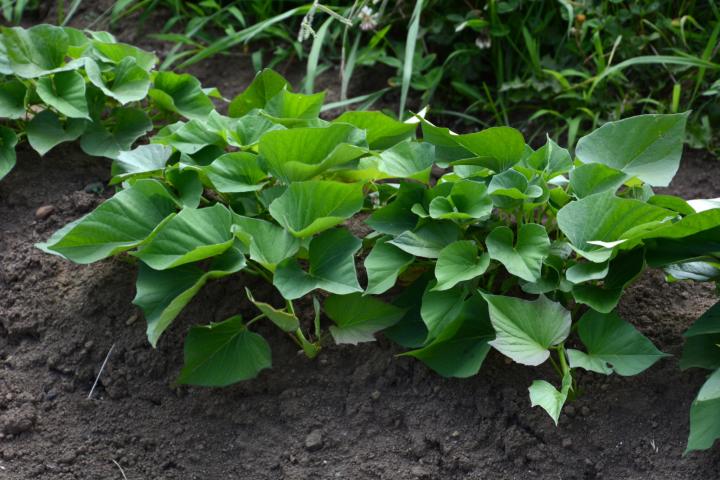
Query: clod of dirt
44, 212
18, 420
314, 440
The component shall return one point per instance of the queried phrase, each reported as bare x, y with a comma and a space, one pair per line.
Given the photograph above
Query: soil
352, 413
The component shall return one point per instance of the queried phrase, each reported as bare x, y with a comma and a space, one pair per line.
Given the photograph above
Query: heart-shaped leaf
35, 51
119, 224
612, 345
525, 330
45, 131
162, 294
544, 395
180, 93
307, 208
467, 200
459, 262
605, 218
264, 86
302, 153
267, 243
645, 146
358, 318
460, 349
428, 240
591, 178
408, 160
220, 354
65, 91
383, 265
382, 131
126, 82
332, 267
143, 160
440, 309
236, 172
524, 258
116, 134
496, 148
551, 160
192, 235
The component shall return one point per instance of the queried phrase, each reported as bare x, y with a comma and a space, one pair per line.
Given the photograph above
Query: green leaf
219, 354
524, 258
612, 345
527, 329
180, 93
8, 140
510, 188
440, 309
397, 216
266, 85
606, 219
35, 51
592, 178
126, 82
115, 52
383, 265
544, 395
193, 136
705, 415
382, 131
307, 208
286, 105
468, 200
116, 134
248, 130
12, 99
162, 294
447, 147
358, 318
702, 345
302, 153
268, 244
645, 146
332, 267
192, 235
460, 349
121, 223
286, 321
45, 131
428, 240
459, 262
408, 160
604, 297
586, 271
496, 148
551, 160
65, 91
145, 159
236, 172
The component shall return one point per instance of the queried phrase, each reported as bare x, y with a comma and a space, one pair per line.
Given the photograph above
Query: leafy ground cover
266, 189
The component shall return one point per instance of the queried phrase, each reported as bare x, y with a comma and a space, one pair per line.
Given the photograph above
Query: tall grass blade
409, 55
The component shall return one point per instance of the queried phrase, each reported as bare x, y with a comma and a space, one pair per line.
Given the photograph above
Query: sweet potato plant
477, 241
59, 84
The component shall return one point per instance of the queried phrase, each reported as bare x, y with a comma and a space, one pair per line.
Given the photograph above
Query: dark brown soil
378, 416
353, 413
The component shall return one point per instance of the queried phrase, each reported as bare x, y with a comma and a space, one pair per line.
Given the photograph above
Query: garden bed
354, 412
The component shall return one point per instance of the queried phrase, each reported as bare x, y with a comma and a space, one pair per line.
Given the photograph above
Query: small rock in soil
314, 440
375, 395
566, 443
420, 472
44, 212
18, 420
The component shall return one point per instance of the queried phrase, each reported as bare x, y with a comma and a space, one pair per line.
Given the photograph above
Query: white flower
368, 19
483, 42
